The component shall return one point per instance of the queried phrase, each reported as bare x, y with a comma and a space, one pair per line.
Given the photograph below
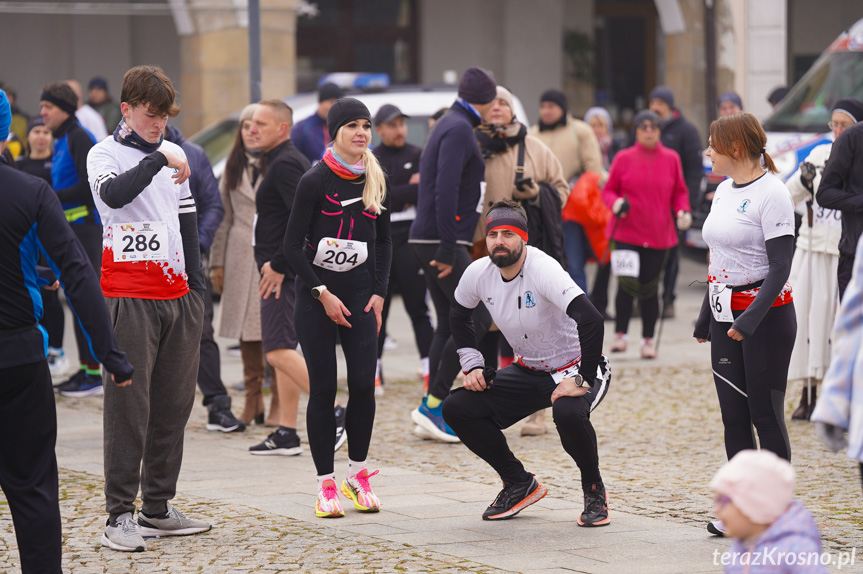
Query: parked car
419, 102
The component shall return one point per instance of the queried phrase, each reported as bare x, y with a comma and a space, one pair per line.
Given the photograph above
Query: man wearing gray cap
449, 202
401, 162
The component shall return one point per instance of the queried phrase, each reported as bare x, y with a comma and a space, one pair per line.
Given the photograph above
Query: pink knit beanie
759, 483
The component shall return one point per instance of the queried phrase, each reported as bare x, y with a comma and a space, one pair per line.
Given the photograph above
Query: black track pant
478, 417
28, 466
406, 278
443, 356
317, 335
90, 236
651, 262
844, 272
751, 377
209, 367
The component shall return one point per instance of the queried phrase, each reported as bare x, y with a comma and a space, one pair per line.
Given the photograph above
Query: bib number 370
340, 254
140, 241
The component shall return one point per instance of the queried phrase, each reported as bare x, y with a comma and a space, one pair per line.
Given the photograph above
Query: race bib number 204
140, 241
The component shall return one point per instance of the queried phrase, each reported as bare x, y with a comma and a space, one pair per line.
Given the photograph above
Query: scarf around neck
126, 136
495, 138
342, 168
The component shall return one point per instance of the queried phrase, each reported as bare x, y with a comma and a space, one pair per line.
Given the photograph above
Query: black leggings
478, 417
751, 377
443, 356
90, 236
651, 262
317, 335
406, 277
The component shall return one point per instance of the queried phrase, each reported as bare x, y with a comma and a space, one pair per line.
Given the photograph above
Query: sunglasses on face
648, 126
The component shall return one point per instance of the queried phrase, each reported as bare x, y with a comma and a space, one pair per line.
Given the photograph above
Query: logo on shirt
744, 205
529, 300
489, 301
408, 165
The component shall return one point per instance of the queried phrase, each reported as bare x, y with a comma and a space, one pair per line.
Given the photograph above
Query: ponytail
768, 162
376, 185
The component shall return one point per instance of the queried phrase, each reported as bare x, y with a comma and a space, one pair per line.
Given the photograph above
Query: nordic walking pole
809, 217
662, 299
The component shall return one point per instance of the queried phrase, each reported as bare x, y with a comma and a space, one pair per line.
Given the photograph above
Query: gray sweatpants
144, 423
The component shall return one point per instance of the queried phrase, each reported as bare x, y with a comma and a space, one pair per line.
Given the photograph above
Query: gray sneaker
174, 523
122, 534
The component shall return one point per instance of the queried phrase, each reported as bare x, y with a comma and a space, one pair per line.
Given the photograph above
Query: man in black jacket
205, 190
449, 202
72, 143
842, 188
284, 165
679, 134
32, 220
401, 162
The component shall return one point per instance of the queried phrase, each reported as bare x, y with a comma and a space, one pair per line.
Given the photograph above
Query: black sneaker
514, 498
281, 441
82, 385
341, 435
595, 506
221, 418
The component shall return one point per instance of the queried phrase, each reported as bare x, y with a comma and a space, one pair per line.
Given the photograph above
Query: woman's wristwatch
318, 291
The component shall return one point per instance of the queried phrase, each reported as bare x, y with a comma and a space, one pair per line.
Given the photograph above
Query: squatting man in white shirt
556, 334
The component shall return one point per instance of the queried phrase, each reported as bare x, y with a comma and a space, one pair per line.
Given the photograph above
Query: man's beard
507, 258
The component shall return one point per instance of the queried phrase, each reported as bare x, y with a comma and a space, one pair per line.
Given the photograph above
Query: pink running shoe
328, 505
358, 489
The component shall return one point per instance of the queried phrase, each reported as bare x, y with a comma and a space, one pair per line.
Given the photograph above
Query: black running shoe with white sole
282, 441
595, 506
716, 528
514, 498
220, 418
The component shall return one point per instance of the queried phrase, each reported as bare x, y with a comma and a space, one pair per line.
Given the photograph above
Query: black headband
64, 105
507, 218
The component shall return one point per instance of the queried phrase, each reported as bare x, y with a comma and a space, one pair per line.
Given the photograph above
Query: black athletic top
327, 206
32, 222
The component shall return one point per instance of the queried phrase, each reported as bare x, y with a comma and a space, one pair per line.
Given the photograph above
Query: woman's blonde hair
375, 189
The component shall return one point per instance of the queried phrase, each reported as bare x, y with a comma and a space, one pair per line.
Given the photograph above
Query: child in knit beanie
774, 534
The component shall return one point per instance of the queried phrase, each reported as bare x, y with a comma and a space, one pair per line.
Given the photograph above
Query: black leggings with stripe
751, 377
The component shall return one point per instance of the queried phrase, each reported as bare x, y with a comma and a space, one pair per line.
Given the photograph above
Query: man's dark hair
510, 204
149, 85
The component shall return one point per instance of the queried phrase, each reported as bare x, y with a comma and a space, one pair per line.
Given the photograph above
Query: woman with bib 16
338, 243
748, 315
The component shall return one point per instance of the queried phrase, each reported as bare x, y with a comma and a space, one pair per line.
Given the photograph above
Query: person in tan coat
500, 136
232, 251
576, 146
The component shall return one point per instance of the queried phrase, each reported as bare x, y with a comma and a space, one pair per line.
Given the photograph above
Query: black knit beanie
62, 96
477, 86
344, 111
851, 106
555, 97
330, 91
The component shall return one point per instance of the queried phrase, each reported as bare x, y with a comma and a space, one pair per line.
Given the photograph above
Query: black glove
620, 206
807, 173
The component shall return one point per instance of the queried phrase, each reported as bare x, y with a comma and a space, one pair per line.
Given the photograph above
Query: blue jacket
72, 143
311, 137
451, 174
32, 222
204, 187
793, 537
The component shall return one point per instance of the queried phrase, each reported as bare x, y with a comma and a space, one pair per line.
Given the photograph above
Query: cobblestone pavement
660, 443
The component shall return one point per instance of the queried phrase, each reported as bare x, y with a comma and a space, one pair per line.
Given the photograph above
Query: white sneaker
422, 433
123, 535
